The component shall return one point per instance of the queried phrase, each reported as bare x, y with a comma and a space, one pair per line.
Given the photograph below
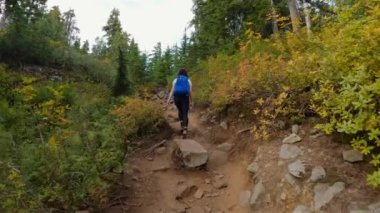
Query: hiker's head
183, 72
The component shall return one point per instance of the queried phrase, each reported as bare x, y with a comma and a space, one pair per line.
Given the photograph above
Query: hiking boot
184, 133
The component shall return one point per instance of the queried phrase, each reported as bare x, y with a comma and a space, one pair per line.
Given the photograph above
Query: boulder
323, 193
192, 153
292, 138
352, 156
289, 151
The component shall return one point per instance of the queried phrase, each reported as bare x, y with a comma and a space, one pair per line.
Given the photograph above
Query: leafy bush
136, 117
334, 72
348, 97
59, 143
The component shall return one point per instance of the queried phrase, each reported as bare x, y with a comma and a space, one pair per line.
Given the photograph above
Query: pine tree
122, 85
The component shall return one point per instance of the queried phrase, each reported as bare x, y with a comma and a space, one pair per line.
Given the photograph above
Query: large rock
323, 193
292, 138
257, 193
192, 153
289, 151
318, 173
352, 156
297, 169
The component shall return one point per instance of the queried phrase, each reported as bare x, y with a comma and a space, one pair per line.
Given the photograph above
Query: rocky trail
301, 170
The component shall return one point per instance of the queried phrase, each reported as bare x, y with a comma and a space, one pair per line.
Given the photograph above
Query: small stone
323, 193
295, 129
224, 125
160, 150
352, 156
289, 151
207, 180
244, 198
302, 209
283, 196
216, 194
161, 168
253, 167
314, 131
258, 192
318, 173
375, 207
226, 147
293, 182
292, 138
219, 184
313, 137
297, 169
183, 190
241, 115
198, 194
207, 209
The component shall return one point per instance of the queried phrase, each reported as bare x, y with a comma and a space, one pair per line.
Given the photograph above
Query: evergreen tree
122, 84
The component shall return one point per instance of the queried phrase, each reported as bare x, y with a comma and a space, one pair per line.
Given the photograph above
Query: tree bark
274, 18
292, 5
306, 7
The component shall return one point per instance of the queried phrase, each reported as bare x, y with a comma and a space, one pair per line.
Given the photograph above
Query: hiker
182, 89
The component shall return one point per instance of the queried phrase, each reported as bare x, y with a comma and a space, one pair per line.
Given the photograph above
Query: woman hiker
182, 89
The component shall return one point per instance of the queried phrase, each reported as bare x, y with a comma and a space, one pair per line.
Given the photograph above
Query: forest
70, 114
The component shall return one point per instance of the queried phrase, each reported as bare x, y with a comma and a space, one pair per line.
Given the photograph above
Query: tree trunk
274, 18
292, 5
306, 7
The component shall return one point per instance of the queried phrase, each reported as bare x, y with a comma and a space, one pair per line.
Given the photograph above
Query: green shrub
136, 117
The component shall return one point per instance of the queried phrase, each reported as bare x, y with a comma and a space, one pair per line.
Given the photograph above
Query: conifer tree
122, 84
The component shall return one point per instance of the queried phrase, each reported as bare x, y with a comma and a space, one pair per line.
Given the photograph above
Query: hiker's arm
191, 95
170, 95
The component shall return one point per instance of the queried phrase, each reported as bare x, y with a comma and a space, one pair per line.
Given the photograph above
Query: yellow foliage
136, 117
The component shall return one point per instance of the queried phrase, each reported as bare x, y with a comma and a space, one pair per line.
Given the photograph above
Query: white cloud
148, 21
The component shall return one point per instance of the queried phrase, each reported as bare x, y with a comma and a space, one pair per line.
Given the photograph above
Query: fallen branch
244, 130
151, 149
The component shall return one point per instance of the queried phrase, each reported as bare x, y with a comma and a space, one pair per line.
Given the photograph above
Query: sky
148, 21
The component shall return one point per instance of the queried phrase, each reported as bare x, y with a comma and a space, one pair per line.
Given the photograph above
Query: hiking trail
242, 176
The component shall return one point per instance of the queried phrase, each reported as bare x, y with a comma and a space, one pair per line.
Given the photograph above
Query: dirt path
154, 180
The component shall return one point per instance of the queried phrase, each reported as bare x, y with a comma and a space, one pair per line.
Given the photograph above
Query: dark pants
182, 103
